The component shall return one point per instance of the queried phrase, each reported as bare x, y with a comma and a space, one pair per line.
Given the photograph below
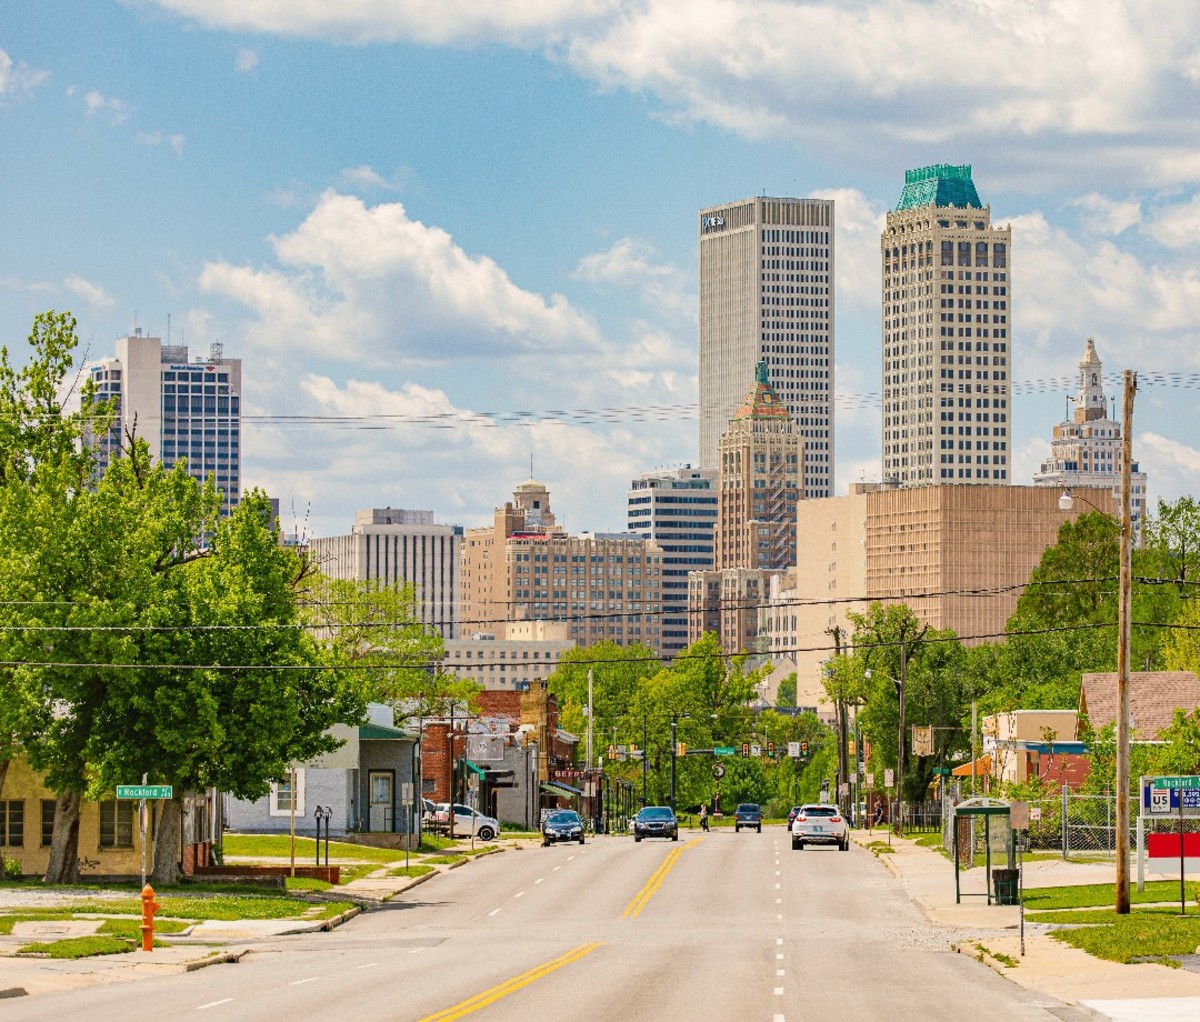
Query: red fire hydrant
149, 907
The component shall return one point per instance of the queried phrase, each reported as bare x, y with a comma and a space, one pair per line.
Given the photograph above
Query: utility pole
840, 708
1124, 635
589, 727
905, 645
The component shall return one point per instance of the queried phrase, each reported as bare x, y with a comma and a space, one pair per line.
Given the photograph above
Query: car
655, 821
467, 821
820, 823
792, 814
747, 814
562, 825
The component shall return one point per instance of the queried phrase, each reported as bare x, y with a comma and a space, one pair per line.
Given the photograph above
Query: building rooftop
1154, 696
762, 402
942, 184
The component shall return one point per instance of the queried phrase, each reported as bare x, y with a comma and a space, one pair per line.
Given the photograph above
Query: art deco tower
947, 336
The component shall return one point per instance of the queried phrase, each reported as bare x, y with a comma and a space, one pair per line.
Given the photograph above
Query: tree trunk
4, 761
64, 844
167, 868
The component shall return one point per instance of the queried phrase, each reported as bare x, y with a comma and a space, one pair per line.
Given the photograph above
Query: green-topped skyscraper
947, 334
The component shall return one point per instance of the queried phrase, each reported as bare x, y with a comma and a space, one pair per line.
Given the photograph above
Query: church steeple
1090, 403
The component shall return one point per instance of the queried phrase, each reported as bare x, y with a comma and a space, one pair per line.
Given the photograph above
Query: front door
380, 803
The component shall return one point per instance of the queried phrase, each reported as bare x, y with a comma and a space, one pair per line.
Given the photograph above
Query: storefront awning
478, 771
558, 788
983, 767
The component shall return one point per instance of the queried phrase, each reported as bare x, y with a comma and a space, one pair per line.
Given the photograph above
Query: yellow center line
509, 986
634, 908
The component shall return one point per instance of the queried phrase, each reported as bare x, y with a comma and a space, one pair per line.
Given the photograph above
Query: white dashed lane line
213, 1004
297, 982
369, 965
493, 912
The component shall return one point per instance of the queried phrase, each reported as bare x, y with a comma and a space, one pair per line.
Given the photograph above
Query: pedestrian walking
704, 818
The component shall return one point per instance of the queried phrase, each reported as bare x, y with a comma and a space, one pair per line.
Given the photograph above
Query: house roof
375, 732
1153, 698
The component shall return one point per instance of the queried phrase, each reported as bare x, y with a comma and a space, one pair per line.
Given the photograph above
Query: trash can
1005, 883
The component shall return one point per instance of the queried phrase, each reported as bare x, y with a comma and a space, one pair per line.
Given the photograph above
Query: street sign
145, 791
1018, 815
794, 750
718, 770
1160, 801
941, 771
870, 780
755, 750
724, 750
889, 778
1177, 782
1164, 801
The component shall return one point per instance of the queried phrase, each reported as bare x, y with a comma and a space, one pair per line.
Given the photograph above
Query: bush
12, 869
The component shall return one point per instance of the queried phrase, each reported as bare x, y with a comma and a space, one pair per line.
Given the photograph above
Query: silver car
819, 823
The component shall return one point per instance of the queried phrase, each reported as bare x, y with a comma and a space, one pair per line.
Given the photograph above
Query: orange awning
983, 767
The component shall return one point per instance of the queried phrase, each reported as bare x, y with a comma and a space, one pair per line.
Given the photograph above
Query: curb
223, 958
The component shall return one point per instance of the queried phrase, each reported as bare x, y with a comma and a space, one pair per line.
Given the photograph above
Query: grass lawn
218, 907
1100, 895
445, 860
130, 929
1140, 935
279, 846
1092, 916
80, 947
415, 870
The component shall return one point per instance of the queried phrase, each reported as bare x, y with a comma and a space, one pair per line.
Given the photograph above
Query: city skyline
483, 225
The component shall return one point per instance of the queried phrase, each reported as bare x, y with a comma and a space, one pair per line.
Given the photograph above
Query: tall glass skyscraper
677, 508
183, 409
766, 295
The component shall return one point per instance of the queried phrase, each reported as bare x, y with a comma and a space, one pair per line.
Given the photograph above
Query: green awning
478, 771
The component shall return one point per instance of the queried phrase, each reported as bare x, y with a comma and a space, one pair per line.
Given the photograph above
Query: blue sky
425, 227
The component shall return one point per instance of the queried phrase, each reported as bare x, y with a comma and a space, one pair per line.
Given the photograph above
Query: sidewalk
185, 952
1123, 993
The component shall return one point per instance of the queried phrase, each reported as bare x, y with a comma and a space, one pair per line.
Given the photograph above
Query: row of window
116, 823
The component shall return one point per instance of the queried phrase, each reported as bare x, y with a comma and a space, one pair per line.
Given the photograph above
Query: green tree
786, 694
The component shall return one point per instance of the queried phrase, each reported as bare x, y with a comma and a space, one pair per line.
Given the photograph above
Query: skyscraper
947, 355
394, 546
183, 410
677, 509
1086, 450
766, 294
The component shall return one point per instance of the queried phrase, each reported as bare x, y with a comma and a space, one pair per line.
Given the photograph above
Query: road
720, 926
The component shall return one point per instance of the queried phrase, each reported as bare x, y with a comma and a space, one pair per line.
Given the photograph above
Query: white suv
820, 824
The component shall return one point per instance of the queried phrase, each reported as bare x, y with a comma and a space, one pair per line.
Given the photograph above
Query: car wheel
545, 843
800, 846
760, 828
795, 845
486, 833
581, 839
737, 829
675, 836
637, 837
846, 844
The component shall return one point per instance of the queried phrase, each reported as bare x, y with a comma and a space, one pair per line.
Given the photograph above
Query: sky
454, 243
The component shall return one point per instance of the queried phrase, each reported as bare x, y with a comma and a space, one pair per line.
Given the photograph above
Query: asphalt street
716, 926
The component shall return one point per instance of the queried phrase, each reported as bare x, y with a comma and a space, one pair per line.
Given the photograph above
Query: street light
674, 749
1124, 636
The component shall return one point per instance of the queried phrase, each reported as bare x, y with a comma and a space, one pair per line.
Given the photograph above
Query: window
47, 822
281, 795
116, 823
12, 823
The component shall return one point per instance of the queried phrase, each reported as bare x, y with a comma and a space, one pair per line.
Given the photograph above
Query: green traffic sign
1177, 782
144, 791
724, 750
941, 771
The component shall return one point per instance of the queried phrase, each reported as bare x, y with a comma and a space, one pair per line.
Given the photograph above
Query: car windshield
819, 811
747, 807
655, 813
563, 817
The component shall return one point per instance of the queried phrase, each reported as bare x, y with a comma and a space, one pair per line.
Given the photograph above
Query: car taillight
835, 819
801, 819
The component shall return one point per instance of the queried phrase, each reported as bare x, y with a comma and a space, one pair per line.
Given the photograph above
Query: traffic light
804, 750
770, 750
681, 749
746, 750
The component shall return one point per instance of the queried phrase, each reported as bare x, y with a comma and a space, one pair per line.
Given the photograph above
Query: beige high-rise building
512, 656
525, 567
947, 337
394, 546
1086, 449
766, 294
957, 556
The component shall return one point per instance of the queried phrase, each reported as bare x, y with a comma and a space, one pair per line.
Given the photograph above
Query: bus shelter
997, 832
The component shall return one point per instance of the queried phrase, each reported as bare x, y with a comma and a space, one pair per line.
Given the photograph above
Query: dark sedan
562, 825
655, 821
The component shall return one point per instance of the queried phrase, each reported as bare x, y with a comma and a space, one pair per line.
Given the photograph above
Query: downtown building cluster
751, 543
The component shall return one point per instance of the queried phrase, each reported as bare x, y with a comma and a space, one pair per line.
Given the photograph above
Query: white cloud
367, 177
245, 61
91, 293
115, 111
1119, 76
368, 21
1172, 469
631, 263
18, 80
368, 282
1177, 226
153, 139
1109, 216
